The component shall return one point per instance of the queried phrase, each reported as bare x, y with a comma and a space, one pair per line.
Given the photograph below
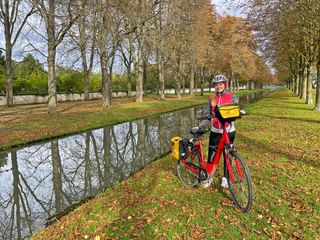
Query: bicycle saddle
197, 131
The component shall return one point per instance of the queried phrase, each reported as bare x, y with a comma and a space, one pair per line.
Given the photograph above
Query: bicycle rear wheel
241, 187
189, 178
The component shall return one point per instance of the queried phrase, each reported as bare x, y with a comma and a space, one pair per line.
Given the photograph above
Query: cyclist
221, 96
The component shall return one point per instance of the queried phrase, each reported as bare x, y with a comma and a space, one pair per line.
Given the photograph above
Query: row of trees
29, 77
185, 40
288, 33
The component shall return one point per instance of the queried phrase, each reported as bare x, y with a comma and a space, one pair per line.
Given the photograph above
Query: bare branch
22, 25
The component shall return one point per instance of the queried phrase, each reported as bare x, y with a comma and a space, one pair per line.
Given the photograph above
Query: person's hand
213, 102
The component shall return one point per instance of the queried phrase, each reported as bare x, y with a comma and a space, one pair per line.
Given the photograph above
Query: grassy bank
25, 124
279, 140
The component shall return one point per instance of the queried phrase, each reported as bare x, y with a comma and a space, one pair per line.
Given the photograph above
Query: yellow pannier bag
230, 111
175, 147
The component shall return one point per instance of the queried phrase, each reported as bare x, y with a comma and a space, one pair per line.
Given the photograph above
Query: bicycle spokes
187, 169
239, 182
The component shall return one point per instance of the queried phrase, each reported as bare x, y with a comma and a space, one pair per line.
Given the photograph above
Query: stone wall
31, 99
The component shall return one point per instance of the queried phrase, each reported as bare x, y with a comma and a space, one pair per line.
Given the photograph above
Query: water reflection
42, 180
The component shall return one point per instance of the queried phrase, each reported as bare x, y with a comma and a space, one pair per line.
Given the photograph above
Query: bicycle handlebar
198, 131
209, 117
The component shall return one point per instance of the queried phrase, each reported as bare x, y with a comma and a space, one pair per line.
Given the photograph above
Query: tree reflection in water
43, 180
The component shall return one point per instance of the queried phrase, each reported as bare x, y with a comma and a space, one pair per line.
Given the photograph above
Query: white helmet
219, 79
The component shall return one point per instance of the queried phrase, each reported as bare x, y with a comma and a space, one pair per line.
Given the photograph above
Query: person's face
219, 87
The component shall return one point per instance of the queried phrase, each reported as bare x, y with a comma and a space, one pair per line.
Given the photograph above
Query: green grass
277, 141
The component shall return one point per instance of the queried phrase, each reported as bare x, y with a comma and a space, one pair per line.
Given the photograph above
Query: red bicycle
192, 167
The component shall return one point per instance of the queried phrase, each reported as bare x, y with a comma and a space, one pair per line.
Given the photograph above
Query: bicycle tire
186, 176
241, 189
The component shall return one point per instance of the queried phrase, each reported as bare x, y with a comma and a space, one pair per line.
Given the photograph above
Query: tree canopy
288, 35
157, 44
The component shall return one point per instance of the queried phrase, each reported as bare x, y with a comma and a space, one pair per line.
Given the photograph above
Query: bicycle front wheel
189, 177
241, 186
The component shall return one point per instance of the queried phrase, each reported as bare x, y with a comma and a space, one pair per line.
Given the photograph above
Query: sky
224, 8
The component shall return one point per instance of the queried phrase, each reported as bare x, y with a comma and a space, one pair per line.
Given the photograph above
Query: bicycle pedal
206, 183
203, 175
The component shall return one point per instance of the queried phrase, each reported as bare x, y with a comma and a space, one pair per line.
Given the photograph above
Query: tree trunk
231, 82
195, 83
52, 86
252, 85
178, 80
57, 175
183, 81
87, 167
141, 151
304, 85
299, 84
139, 84
158, 23
140, 38
86, 78
317, 102
303, 80
192, 77
309, 86
9, 75
82, 36
130, 60
145, 78
202, 81
9, 68
17, 200
297, 80
106, 98
86, 85
161, 76
107, 175
129, 81
110, 79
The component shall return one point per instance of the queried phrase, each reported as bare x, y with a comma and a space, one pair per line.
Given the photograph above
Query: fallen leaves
286, 187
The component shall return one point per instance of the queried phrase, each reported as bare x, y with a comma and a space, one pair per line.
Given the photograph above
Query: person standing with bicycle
221, 96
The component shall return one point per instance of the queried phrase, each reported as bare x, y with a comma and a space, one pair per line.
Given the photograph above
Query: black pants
213, 144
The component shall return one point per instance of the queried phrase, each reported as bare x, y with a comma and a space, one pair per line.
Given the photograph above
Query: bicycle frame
223, 145
193, 168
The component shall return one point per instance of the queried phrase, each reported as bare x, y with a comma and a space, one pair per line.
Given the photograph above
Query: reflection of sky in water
84, 165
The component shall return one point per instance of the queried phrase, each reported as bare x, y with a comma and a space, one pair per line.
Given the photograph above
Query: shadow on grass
293, 102
281, 152
287, 118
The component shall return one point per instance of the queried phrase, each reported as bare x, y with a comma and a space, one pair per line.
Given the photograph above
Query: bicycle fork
228, 151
